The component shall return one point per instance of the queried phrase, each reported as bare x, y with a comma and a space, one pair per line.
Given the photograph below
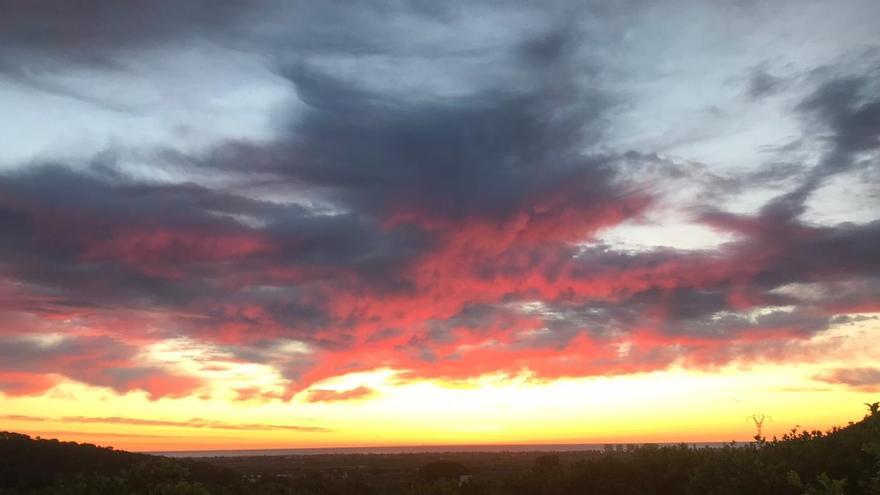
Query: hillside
34, 465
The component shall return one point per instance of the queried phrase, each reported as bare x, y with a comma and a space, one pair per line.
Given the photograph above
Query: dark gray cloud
848, 109
85, 31
489, 153
843, 115
762, 84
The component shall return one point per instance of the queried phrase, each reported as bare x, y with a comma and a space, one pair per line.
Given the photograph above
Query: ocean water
595, 447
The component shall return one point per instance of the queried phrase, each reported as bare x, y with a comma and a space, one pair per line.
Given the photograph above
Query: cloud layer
432, 199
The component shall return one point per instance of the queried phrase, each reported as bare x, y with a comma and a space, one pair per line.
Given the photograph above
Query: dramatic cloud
431, 198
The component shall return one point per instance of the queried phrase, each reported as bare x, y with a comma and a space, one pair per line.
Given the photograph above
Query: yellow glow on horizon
672, 405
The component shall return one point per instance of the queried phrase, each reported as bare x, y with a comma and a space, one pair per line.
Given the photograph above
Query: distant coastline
594, 447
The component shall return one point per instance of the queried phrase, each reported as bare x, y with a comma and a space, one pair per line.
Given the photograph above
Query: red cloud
167, 246
322, 395
16, 383
243, 288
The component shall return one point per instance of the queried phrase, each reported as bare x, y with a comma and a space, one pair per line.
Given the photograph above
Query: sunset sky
270, 224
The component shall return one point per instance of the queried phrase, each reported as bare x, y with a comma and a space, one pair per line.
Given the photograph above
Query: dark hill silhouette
27, 462
34, 465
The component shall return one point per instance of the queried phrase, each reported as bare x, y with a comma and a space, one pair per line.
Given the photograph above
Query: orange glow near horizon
673, 405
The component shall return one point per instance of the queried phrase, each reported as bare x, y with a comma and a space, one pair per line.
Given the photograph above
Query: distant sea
596, 447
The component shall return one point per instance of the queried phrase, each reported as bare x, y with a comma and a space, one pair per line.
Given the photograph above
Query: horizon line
432, 447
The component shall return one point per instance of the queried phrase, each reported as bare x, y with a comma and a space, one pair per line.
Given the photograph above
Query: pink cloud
322, 395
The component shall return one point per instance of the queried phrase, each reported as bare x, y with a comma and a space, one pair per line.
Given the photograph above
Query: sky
281, 224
